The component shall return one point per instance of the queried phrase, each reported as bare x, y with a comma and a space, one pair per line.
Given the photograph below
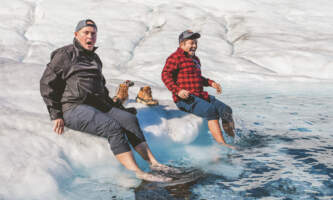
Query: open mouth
89, 43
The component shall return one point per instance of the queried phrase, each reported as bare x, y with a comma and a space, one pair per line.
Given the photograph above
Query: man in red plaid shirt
182, 76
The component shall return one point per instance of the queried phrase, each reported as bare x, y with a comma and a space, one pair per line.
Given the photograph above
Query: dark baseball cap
84, 23
188, 34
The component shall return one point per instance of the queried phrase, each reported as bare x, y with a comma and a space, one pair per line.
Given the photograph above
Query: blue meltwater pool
284, 147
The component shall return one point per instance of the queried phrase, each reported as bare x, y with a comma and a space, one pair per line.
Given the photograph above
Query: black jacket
74, 76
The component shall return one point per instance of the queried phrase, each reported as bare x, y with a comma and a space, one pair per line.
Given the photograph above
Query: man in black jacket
75, 94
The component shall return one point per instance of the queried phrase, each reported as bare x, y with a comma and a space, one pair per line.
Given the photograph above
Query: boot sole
139, 100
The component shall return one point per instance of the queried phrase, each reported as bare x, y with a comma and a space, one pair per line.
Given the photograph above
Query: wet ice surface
284, 145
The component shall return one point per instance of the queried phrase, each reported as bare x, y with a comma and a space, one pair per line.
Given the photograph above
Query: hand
217, 87
184, 94
58, 126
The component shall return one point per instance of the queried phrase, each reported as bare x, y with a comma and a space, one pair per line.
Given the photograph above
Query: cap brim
195, 36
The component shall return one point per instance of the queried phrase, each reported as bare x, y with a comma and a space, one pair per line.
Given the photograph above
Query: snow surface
242, 41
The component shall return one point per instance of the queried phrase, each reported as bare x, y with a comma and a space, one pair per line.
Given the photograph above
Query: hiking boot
145, 96
122, 92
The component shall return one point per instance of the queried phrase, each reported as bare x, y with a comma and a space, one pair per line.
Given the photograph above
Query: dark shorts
117, 125
210, 110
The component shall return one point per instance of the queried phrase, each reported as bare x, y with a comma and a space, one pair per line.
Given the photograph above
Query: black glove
118, 104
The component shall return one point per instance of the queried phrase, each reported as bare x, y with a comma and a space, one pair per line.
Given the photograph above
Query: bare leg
145, 153
127, 159
215, 129
229, 128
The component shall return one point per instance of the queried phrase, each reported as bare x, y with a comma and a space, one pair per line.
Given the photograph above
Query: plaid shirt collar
182, 52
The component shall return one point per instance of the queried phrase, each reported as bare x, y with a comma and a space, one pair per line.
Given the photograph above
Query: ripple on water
297, 153
301, 129
321, 169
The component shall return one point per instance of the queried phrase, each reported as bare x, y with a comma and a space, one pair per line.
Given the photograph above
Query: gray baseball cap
188, 34
84, 23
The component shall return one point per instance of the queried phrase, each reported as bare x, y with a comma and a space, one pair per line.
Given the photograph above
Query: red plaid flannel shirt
183, 72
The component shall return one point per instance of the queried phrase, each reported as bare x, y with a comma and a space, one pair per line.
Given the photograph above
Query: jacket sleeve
52, 85
106, 92
169, 75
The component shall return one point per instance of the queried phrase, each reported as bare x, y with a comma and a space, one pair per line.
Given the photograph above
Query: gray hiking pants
117, 125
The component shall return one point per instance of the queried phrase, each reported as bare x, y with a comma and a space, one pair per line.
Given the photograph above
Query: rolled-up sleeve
207, 81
